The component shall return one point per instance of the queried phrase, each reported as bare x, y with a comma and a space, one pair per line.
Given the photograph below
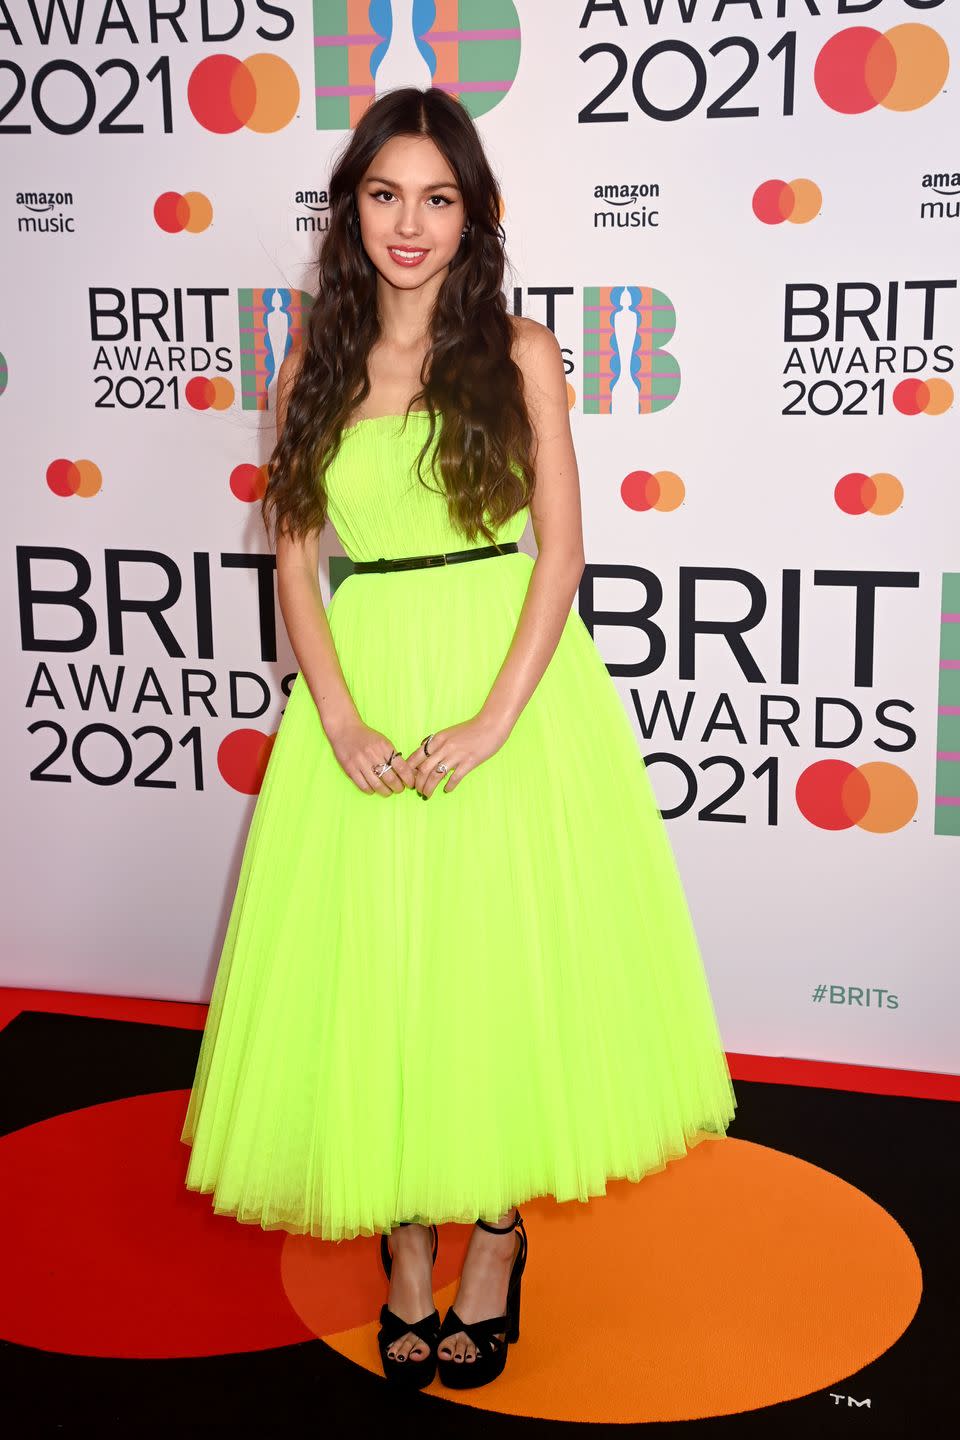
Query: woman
433, 1012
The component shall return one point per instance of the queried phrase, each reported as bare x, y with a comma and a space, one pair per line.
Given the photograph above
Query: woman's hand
358, 749
464, 746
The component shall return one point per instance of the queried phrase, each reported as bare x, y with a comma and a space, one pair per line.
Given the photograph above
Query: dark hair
469, 376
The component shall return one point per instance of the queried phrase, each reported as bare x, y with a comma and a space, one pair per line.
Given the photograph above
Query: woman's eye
376, 194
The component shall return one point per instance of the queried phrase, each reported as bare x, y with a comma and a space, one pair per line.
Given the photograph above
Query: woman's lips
406, 256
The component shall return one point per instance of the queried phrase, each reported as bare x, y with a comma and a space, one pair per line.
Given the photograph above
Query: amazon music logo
45, 212
941, 196
311, 214
625, 206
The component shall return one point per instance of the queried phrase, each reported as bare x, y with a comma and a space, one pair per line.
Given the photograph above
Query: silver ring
442, 769
425, 742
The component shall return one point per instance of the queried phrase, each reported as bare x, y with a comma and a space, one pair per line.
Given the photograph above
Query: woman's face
411, 212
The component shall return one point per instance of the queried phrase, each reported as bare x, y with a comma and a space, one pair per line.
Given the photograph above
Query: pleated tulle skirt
433, 1011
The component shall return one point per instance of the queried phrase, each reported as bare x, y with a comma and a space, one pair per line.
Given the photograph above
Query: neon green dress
436, 1010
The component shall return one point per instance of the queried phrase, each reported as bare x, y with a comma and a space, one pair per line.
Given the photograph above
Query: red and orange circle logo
652, 490
175, 213
901, 69
859, 494
877, 796
74, 477
225, 94
798, 201
923, 397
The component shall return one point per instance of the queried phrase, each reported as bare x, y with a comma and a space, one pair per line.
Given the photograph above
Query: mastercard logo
795, 200
923, 397
878, 796
858, 494
74, 477
900, 69
652, 490
249, 482
175, 213
260, 93
242, 759
206, 392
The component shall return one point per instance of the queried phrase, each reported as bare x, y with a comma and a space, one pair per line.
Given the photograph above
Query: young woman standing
460, 970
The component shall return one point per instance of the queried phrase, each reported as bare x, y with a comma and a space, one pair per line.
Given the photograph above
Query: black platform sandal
417, 1373
491, 1353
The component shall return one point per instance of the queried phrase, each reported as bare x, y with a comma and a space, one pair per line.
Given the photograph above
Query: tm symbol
851, 1402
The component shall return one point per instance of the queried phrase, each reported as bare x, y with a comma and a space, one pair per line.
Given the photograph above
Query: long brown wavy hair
470, 380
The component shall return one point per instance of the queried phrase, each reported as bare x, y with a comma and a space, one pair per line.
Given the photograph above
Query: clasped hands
461, 748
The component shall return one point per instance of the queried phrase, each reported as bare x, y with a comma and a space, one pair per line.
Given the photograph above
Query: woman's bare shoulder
536, 351
527, 333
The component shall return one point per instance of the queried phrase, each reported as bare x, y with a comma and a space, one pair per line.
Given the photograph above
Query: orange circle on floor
734, 1278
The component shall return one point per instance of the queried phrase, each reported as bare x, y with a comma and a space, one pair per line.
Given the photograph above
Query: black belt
452, 557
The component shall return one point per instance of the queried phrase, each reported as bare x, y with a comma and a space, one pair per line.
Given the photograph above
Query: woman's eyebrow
395, 185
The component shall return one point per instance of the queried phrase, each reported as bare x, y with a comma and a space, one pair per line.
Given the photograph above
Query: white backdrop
736, 168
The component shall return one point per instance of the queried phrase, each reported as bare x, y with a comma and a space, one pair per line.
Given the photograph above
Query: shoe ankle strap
501, 1229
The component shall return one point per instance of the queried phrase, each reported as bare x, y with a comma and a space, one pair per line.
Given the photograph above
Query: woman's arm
301, 603
557, 525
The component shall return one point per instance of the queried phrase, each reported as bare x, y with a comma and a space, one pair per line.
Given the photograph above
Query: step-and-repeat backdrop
741, 221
